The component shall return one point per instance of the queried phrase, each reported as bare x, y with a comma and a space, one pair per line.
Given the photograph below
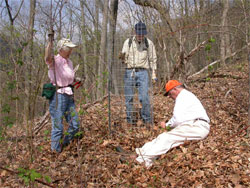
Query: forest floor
220, 160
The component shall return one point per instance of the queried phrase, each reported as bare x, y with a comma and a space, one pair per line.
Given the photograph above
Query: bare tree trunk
61, 4
186, 9
244, 6
223, 32
96, 36
12, 19
196, 7
202, 5
248, 51
28, 76
101, 77
167, 64
111, 56
28, 79
248, 130
84, 47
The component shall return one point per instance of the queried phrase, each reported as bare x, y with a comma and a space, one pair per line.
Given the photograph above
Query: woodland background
192, 38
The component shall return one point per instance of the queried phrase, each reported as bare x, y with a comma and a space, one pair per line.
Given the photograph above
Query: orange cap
170, 85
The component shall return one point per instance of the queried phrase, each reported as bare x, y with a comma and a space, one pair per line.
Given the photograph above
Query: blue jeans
140, 80
65, 108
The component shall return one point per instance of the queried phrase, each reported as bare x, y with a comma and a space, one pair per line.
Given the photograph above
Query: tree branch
217, 61
9, 12
179, 64
164, 12
18, 10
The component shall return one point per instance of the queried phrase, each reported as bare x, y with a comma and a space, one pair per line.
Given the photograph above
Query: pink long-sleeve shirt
64, 74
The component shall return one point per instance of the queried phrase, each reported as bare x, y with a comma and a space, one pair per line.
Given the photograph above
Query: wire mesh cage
128, 107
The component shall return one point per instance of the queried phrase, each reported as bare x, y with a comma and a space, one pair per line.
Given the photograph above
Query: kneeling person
189, 122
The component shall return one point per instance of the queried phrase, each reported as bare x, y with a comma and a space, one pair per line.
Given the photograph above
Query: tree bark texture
84, 47
223, 42
112, 61
101, 70
96, 39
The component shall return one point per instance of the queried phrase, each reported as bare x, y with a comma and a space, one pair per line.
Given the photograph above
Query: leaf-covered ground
221, 160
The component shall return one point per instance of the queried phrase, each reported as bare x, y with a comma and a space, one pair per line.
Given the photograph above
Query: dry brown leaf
235, 178
4, 173
183, 149
91, 163
106, 142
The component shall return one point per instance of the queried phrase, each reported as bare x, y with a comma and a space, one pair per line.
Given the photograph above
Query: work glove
122, 57
77, 82
154, 78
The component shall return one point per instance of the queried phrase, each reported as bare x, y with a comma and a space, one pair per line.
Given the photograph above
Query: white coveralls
190, 122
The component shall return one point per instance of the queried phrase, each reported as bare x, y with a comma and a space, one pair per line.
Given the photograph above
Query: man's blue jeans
138, 80
65, 108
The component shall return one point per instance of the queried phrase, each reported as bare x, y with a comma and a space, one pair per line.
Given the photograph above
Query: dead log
185, 58
44, 120
217, 61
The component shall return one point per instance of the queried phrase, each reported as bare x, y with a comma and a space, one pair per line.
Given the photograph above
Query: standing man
138, 53
189, 122
62, 103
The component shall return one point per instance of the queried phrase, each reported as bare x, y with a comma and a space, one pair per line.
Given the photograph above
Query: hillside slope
221, 160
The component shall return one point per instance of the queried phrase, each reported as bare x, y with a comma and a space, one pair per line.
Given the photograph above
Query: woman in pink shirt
62, 104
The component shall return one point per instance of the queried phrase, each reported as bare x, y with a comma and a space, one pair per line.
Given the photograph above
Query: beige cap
65, 42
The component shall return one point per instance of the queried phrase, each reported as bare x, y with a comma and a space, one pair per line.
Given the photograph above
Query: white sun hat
65, 42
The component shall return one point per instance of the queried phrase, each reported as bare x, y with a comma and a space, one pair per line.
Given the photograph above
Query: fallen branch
41, 123
205, 68
229, 91
182, 58
217, 61
198, 47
